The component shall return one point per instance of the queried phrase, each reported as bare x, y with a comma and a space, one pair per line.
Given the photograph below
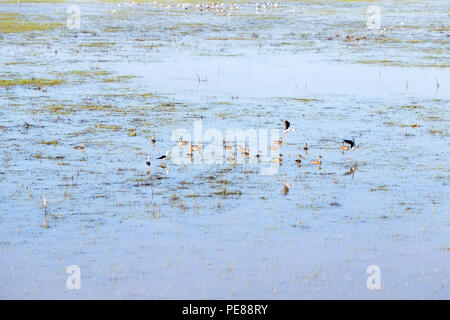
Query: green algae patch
119, 78
97, 44
30, 82
88, 73
13, 23
49, 143
108, 127
392, 63
32, 1
301, 100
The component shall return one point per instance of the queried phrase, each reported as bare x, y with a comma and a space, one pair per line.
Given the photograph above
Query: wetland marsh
224, 231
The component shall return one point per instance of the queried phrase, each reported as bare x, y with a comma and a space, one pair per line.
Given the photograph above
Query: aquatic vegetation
119, 78
30, 82
97, 44
89, 73
225, 230
225, 192
380, 188
303, 100
108, 127
51, 142
13, 23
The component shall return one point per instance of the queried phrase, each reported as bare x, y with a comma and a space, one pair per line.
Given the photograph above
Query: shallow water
225, 230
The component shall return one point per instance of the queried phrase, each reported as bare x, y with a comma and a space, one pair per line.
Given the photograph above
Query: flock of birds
347, 144
216, 8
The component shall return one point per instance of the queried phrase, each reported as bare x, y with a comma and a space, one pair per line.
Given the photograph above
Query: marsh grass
30, 82
13, 23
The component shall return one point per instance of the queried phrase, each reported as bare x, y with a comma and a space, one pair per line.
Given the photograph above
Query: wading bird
352, 146
164, 157
305, 147
79, 147
182, 143
287, 126
279, 141
351, 143
319, 161
279, 159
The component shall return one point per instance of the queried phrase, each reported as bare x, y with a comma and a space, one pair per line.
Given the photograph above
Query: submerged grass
13, 23
30, 82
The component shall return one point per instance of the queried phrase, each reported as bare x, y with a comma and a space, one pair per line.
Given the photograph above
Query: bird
164, 157
148, 162
182, 143
279, 159
352, 170
352, 146
279, 141
351, 143
79, 147
287, 126
228, 146
258, 155
286, 187
299, 159
305, 147
319, 161
273, 147
153, 139
193, 147
243, 148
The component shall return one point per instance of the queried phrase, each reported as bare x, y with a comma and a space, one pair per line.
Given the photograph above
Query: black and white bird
148, 162
351, 143
352, 147
164, 157
287, 126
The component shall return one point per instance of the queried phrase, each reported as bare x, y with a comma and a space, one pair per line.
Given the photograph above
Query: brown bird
344, 147
319, 161
305, 147
79, 147
279, 159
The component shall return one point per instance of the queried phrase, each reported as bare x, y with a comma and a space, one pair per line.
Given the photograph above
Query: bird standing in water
306, 148
164, 157
352, 146
286, 187
299, 159
279, 159
80, 147
350, 142
148, 164
319, 161
287, 126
